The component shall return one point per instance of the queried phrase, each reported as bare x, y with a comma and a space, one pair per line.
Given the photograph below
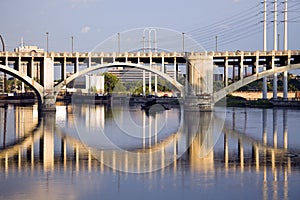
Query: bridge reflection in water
48, 143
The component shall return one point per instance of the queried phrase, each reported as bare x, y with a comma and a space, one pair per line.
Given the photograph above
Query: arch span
233, 87
176, 84
38, 89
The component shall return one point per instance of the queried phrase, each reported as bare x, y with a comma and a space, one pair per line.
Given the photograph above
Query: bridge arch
35, 86
176, 84
245, 81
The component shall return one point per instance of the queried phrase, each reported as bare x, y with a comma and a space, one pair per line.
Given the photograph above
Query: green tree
110, 82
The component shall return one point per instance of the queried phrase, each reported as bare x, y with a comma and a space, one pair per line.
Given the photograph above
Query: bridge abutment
199, 86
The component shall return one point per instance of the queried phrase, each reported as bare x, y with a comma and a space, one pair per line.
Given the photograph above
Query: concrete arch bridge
199, 67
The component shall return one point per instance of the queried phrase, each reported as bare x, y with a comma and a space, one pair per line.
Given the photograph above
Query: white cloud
236, 1
85, 29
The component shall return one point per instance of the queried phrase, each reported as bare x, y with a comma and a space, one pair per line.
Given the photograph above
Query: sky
236, 22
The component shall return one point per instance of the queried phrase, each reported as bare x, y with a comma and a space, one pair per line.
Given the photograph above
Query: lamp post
182, 42
47, 41
72, 38
216, 43
119, 43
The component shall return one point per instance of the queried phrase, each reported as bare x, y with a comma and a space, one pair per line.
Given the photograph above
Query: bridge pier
48, 104
199, 84
48, 98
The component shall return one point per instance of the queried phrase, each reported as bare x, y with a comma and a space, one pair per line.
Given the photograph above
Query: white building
29, 49
94, 83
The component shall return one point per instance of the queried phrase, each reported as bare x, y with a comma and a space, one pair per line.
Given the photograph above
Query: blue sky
92, 21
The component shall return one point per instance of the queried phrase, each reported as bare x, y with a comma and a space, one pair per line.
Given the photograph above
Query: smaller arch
176, 84
35, 86
233, 87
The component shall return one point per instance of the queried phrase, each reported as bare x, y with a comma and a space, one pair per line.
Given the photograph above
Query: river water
115, 152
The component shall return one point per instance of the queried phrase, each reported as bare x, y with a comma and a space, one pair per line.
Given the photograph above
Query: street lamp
72, 44
183, 42
47, 41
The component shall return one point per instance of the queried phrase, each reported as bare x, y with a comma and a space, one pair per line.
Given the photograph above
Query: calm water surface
112, 152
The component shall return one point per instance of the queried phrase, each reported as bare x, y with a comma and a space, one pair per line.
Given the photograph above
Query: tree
110, 82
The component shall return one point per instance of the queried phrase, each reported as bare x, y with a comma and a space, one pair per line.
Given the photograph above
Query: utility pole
285, 25
275, 76
285, 48
275, 25
265, 25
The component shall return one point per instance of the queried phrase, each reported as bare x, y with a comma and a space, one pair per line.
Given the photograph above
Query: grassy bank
234, 101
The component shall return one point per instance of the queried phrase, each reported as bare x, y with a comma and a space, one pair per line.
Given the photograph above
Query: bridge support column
64, 69
275, 78
285, 79
200, 83
48, 97
265, 86
226, 72
241, 67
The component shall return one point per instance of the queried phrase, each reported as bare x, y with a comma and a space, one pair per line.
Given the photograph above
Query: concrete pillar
48, 80
150, 77
64, 68
265, 86
233, 73
76, 64
155, 84
200, 82
144, 79
17, 65
241, 67
274, 79
6, 60
175, 69
30, 68
285, 78
257, 63
226, 72
89, 63
285, 85
163, 64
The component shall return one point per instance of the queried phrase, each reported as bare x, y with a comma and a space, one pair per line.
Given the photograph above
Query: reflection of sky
250, 122
127, 127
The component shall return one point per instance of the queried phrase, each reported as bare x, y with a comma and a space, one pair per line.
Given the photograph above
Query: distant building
126, 75
29, 49
94, 83
90, 83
